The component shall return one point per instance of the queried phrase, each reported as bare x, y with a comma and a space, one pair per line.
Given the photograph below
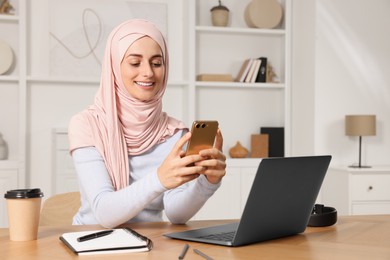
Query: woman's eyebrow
157, 56
140, 55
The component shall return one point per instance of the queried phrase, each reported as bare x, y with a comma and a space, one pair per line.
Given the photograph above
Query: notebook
279, 204
121, 240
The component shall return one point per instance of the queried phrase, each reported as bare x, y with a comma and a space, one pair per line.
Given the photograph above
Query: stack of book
253, 70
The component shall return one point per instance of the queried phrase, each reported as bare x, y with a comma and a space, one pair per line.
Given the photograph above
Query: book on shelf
244, 70
275, 140
259, 145
121, 240
214, 77
256, 71
248, 78
262, 75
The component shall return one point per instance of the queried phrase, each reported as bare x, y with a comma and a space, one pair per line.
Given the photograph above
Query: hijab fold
117, 124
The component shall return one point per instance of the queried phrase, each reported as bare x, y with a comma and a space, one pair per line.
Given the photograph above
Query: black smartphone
203, 136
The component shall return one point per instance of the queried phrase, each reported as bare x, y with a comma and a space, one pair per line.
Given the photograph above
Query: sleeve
183, 202
112, 208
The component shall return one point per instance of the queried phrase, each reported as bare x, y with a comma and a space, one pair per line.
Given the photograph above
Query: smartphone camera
202, 125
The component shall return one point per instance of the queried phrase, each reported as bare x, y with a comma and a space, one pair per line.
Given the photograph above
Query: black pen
202, 254
95, 235
184, 251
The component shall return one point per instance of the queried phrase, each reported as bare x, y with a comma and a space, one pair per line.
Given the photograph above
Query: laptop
279, 204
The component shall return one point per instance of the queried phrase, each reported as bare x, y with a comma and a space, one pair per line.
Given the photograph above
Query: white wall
302, 79
352, 77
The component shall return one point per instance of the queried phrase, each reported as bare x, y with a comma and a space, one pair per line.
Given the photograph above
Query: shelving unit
241, 108
13, 103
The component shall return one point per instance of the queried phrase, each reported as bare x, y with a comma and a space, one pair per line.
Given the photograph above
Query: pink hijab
117, 124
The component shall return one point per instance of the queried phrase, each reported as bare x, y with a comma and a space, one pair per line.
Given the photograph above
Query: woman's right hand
175, 169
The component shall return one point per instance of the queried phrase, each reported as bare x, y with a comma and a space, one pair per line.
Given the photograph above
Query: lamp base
359, 166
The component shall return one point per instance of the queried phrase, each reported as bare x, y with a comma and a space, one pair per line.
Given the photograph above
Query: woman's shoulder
79, 131
77, 119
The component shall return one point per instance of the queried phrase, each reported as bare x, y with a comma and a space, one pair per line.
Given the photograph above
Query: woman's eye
156, 64
135, 64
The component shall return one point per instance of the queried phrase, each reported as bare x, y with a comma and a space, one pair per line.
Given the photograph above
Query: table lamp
360, 125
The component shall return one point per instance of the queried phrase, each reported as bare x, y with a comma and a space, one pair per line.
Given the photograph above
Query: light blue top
144, 199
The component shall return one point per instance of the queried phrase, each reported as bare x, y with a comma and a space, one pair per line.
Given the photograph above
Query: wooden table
353, 237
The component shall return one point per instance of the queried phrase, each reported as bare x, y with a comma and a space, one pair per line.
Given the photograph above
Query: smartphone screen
203, 136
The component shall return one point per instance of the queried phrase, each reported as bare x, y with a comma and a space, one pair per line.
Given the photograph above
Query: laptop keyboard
225, 236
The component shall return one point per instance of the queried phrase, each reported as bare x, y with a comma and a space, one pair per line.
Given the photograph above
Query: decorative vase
238, 151
219, 15
3, 148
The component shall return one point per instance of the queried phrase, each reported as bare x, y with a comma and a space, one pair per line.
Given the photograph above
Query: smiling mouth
144, 84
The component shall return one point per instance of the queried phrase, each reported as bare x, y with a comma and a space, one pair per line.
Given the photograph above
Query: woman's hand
178, 169
174, 171
214, 162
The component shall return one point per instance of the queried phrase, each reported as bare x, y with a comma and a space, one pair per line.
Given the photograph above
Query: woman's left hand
215, 162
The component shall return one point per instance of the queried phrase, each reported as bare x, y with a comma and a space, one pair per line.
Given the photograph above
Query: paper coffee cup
24, 208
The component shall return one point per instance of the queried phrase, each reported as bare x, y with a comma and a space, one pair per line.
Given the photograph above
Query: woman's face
142, 69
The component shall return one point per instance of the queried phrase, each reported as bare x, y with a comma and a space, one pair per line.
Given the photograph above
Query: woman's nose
147, 70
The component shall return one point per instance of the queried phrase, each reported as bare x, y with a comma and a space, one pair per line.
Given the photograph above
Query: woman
129, 154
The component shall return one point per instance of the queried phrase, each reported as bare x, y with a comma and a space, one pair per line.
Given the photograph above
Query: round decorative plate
263, 14
6, 57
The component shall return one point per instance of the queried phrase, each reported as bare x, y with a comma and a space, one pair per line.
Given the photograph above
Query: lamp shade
360, 125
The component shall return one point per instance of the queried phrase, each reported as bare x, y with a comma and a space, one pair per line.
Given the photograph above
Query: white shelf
240, 30
260, 86
10, 78
57, 80
9, 18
